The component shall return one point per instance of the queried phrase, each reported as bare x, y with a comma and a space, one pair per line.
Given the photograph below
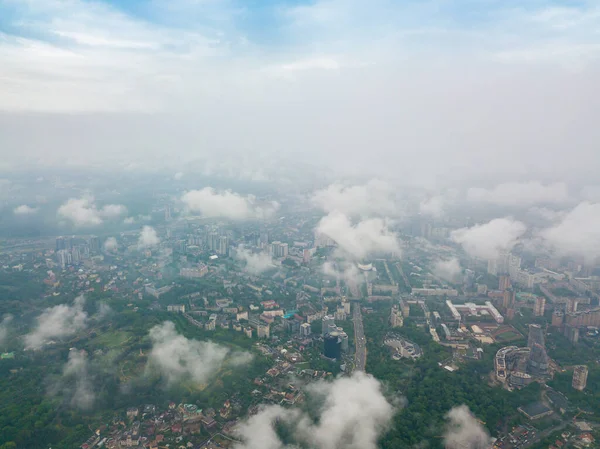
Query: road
360, 357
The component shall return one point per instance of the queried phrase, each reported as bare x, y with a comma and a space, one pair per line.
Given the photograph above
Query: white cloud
83, 211
76, 369
464, 431
24, 209
57, 322
433, 206
256, 263
227, 204
374, 198
177, 358
343, 270
521, 194
449, 270
110, 244
148, 238
365, 238
487, 240
4, 324
178, 176
354, 414
104, 310
577, 233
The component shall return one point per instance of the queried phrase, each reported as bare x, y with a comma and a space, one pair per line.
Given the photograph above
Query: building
248, 332
156, 292
405, 308
536, 335
471, 309
328, 324
195, 272
580, 374
572, 333
503, 282
396, 319
263, 331
279, 249
305, 330
540, 306
179, 308
94, 243
508, 298
572, 305
535, 411
583, 318
332, 345
434, 291
557, 318
222, 248
340, 314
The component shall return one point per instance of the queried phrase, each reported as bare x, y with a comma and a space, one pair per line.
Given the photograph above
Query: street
360, 343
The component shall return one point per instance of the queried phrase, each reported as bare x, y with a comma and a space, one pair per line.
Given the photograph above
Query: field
506, 334
113, 338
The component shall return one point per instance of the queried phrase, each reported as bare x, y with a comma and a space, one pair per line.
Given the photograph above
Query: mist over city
299, 224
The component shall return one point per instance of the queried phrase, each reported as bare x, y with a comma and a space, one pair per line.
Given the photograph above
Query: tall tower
580, 374
536, 336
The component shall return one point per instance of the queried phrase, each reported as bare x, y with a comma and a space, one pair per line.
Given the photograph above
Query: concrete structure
263, 331
332, 346
503, 282
434, 291
156, 292
584, 318
195, 272
328, 325
305, 330
279, 249
396, 319
557, 318
540, 306
580, 374
179, 308
472, 309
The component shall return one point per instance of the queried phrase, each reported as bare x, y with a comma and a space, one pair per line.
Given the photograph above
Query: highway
360, 357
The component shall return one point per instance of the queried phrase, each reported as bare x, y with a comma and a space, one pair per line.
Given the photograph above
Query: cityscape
299, 224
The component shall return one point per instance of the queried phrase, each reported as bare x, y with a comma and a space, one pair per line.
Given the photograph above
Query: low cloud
433, 206
57, 322
372, 199
148, 238
346, 271
84, 212
519, 194
227, 204
24, 209
487, 240
354, 414
464, 431
104, 310
178, 176
178, 358
4, 328
76, 370
256, 263
577, 233
110, 244
359, 240
449, 270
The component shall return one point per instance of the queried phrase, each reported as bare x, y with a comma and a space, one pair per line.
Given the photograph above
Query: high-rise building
580, 374
168, 213
212, 241
94, 243
572, 333
572, 305
332, 345
328, 322
62, 257
60, 243
557, 318
503, 282
536, 336
222, 245
540, 306
278, 249
305, 329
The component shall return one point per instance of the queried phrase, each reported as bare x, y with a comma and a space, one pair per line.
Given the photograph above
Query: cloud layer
353, 414
372, 199
76, 370
464, 431
57, 322
227, 204
487, 240
520, 194
84, 212
148, 238
256, 263
178, 358
577, 233
110, 244
24, 209
359, 240
449, 270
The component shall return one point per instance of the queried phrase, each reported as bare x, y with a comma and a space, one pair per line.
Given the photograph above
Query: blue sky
496, 79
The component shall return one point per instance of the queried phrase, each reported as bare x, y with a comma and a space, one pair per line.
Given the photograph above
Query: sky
430, 91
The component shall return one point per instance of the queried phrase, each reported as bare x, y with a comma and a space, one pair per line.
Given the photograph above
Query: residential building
580, 375
540, 306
